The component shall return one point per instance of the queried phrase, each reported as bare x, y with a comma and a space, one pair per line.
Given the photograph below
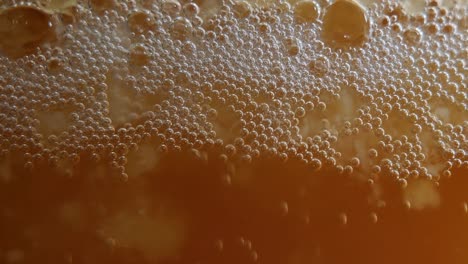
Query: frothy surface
128, 90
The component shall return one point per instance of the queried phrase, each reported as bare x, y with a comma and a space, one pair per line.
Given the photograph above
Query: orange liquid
243, 172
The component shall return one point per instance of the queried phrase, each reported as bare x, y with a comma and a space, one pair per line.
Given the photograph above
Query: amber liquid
194, 206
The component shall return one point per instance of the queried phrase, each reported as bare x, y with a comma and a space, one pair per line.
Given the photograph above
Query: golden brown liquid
129, 138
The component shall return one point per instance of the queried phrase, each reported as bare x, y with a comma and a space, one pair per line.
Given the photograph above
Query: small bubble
403, 183
300, 112
292, 46
191, 9
355, 162
449, 28
140, 22
321, 106
306, 11
396, 27
181, 28
316, 164
432, 28
139, 55
264, 28
348, 170
319, 66
384, 21
171, 7
54, 65
242, 9
412, 36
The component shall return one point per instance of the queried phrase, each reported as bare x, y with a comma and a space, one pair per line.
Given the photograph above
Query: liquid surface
237, 132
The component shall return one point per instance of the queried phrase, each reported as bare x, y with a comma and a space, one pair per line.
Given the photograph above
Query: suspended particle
254, 256
14, 256
306, 11
343, 219
226, 179
284, 208
345, 22
219, 245
374, 217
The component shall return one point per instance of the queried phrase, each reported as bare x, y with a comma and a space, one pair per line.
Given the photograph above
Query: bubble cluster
368, 92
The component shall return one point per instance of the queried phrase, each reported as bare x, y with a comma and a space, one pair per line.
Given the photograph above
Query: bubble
449, 28
242, 9
101, 5
300, 112
319, 66
139, 55
432, 28
355, 162
264, 28
23, 29
384, 21
171, 7
191, 9
316, 164
54, 65
181, 28
345, 22
306, 11
412, 36
292, 46
321, 106
141, 22
403, 183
